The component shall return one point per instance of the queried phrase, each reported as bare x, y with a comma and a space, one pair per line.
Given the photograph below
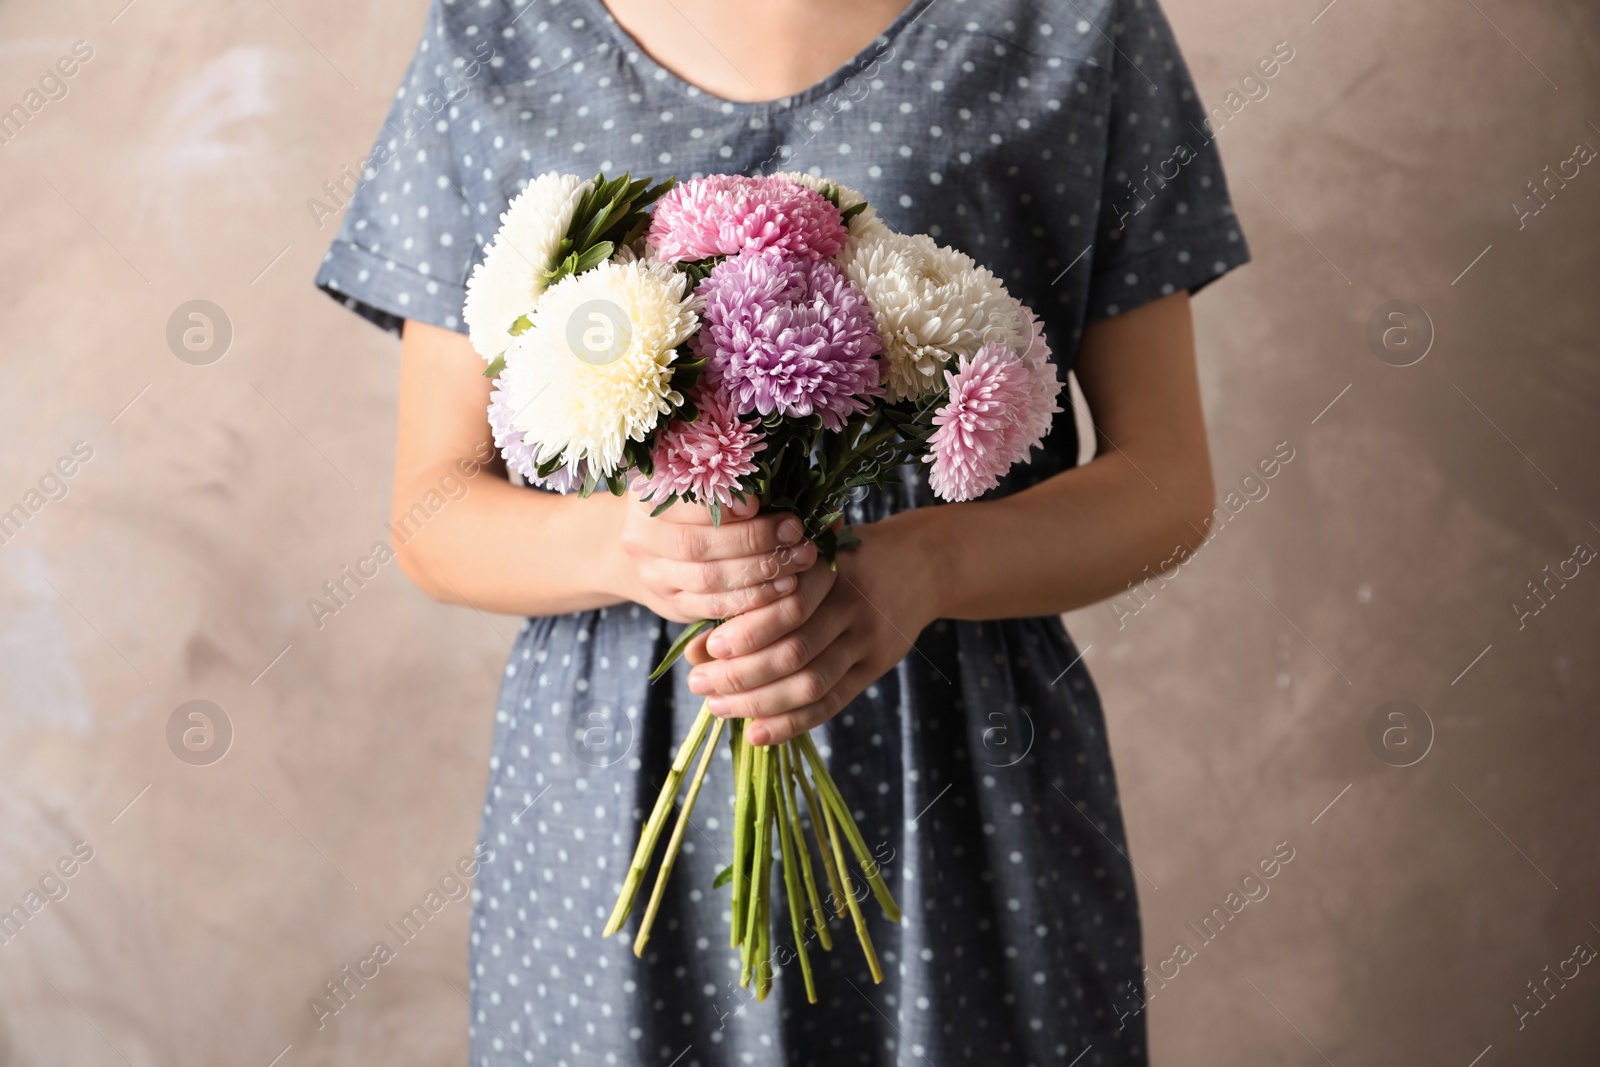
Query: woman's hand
685, 569
789, 672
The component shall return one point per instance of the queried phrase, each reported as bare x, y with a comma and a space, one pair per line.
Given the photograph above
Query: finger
759, 627
811, 684
758, 536
786, 656
728, 575
735, 602
788, 725
695, 652
689, 514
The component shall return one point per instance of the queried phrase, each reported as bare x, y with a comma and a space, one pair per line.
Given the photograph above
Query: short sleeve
406, 242
1165, 220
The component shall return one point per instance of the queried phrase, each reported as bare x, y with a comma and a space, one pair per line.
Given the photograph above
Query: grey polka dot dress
1061, 145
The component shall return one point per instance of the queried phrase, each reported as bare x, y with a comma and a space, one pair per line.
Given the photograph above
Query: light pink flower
1043, 386
703, 460
726, 214
982, 428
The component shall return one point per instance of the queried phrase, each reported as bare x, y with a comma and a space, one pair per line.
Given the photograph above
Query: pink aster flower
789, 334
982, 428
703, 460
1043, 385
726, 214
519, 454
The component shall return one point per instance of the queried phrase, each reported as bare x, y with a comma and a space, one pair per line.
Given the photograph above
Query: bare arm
500, 547
1083, 535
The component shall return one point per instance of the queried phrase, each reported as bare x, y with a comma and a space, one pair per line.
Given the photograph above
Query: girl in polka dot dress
1058, 142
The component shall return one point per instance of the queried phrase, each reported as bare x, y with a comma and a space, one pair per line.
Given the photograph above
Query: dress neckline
913, 11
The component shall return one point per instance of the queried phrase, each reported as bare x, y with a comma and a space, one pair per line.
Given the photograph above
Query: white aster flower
863, 225
932, 304
507, 284
595, 368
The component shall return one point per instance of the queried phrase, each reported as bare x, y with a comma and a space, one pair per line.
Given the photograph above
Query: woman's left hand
789, 681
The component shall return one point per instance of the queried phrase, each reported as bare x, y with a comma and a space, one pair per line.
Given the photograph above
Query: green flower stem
658, 819
676, 841
741, 832
856, 917
761, 758
818, 827
791, 871
787, 769
831, 798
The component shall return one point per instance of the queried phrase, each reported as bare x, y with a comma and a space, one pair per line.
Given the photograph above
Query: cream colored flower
932, 305
507, 284
595, 368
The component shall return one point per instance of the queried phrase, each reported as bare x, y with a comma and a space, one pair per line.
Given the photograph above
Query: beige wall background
1384, 564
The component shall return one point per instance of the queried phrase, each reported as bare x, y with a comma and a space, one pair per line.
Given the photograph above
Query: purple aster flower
789, 334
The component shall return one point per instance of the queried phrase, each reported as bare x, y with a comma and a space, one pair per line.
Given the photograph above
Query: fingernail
756, 734
699, 684
717, 645
717, 707
785, 584
790, 531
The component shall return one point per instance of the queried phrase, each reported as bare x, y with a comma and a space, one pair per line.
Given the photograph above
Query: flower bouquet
732, 338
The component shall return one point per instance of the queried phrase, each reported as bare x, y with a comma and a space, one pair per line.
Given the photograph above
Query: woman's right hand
685, 569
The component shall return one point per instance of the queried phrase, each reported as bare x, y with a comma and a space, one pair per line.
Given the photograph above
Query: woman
1049, 139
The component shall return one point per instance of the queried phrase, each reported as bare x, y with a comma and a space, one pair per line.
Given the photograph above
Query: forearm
565, 547
1072, 540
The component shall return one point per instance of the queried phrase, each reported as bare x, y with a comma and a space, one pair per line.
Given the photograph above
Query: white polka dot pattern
1061, 144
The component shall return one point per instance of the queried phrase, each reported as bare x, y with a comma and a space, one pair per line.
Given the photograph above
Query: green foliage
611, 214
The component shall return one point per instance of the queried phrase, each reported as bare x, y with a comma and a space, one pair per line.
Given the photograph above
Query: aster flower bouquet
731, 338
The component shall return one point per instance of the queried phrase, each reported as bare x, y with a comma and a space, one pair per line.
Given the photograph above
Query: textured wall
1384, 562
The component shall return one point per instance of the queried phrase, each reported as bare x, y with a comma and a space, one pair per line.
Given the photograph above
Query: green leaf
852, 211
679, 646
548, 467
724, 876
521, 326
493, 369
590, 481
716, 514
664, 505
594, 256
